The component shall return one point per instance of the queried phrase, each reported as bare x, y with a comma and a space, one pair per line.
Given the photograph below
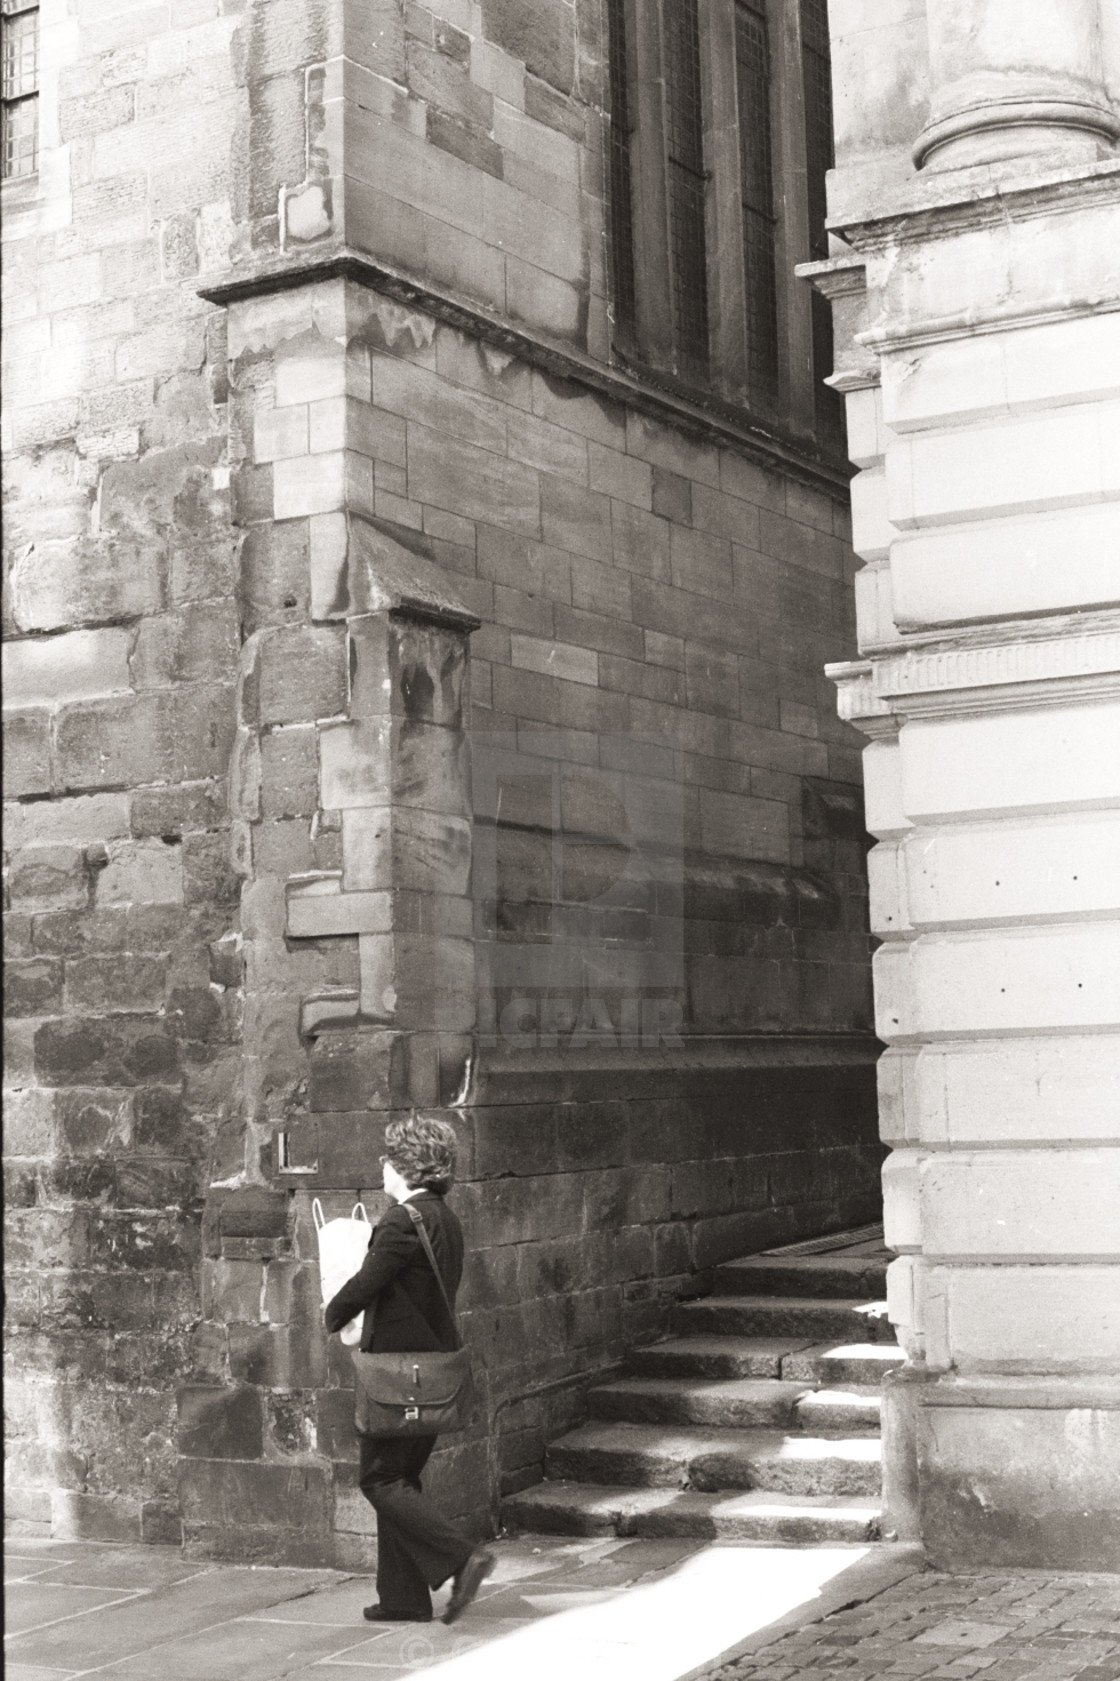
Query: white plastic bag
342, 1249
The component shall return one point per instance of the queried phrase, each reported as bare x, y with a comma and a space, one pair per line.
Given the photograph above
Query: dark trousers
417, 1547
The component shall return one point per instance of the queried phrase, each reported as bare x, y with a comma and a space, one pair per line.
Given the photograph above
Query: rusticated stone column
1009, 79
982, 376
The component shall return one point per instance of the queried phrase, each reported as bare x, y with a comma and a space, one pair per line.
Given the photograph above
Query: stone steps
841, 1412
810, 1317
737, 1403
568, 1508
842, 1363
757, 1420
808, 1275
715, 1357
709, 1459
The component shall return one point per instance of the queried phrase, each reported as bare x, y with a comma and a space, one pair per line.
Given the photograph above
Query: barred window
720, 137
21, 88
20, 140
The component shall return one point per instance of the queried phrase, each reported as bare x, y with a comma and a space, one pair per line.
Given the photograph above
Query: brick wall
206, 543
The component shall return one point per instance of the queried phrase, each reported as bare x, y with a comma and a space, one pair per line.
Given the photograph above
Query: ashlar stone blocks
986, 509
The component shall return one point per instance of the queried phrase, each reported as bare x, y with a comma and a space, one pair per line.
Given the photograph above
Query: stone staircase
757, 1420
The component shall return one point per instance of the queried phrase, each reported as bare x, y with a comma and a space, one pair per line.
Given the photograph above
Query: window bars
19, 20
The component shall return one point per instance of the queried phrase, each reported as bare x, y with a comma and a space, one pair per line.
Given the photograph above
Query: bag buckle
411, 1413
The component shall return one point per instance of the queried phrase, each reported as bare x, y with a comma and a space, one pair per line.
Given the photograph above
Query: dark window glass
756, 165
20, 140
684, 122
817, 80
622, 197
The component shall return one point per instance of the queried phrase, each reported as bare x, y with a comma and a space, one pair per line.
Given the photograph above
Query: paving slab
111, 1633
127, 1570
33, 1672
36, 1605
239, 1649
559, 1608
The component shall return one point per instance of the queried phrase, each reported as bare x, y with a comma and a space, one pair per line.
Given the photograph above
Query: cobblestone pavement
1022, 1627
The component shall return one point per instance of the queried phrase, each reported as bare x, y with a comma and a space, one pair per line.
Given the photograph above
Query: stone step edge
631, 1384
556, 1490
796, 1400
826, 1278
756, 1442
812, 1304
754, 1516
746, 1388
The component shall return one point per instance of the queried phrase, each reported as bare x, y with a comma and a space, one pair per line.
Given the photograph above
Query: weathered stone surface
219, 1423
560, 1509
776, 1316
711, 1459
49, 879
33, 988
740, 1403
117, 1051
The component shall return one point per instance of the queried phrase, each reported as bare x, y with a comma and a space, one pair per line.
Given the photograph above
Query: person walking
403, 1309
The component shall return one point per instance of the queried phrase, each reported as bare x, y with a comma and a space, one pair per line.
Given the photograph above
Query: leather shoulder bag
414, 1394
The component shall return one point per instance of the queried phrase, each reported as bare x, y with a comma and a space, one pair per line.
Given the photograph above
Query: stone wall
977, 185
121, 629
259, 626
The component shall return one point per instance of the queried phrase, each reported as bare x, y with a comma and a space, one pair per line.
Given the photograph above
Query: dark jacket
395, 1286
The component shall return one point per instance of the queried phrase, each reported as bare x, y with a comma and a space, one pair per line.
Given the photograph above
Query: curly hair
422, 1149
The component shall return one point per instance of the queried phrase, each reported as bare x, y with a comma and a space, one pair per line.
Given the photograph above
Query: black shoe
378, 1614
468, 1580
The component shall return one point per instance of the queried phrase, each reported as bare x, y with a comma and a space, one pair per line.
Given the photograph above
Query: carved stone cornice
1001, 318
1010, 667
710, 422
857, 701
929, 207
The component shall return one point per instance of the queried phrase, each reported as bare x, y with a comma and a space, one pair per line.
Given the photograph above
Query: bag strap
317, 1215
417, 1219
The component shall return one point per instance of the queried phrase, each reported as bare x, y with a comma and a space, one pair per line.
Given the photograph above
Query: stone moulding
1019, 670
929, 207
999, 319
1034, 1393
369, 571
730, 430
1082, 115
